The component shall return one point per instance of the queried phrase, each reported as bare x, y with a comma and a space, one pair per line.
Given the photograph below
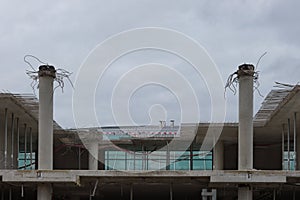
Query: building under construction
255, 158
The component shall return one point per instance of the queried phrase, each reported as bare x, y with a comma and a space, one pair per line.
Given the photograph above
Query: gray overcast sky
233, 32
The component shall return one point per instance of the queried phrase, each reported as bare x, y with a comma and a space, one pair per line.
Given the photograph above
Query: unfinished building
254, 159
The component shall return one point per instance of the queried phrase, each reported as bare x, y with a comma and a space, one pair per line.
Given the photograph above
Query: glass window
179, 160
289, 164
26, 161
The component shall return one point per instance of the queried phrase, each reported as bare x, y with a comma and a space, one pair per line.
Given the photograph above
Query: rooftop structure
147, 162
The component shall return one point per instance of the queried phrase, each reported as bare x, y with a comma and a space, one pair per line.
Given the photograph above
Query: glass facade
26, 161
289, 164
158, 160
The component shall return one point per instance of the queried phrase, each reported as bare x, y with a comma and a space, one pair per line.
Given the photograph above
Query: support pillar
297, 143
45, 148
5, 138
171, 191
191, 157
131, 192
46, 77
218, 156
144, 161
282, 146
245, 136
91, 140
1, 142
44, 191
245, 76
218, 162
25, 145
79, 158
245, 193
17, 146
30, 147
10, 194
12, 163
102, 159
168, 157
93, 155
9, 140
288, 144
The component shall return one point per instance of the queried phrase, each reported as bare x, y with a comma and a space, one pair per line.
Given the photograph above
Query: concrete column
30, 147
1, 142
245, 193
282, 146
245, 146
10, 194
171, 192
91, 139
218, 162
101, 159
144, 167
12, 163
131, 192
25, 145
218, 156
45, 142
245, 136
79, 158
297, 141
44, 191
288, 145
9, 141
17, 145
101, 153
46, 77
5, 138
168, 157
191, 157
93, 155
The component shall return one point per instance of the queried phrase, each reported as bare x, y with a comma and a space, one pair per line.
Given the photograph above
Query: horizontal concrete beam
248, 178
215, 176
38, 176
